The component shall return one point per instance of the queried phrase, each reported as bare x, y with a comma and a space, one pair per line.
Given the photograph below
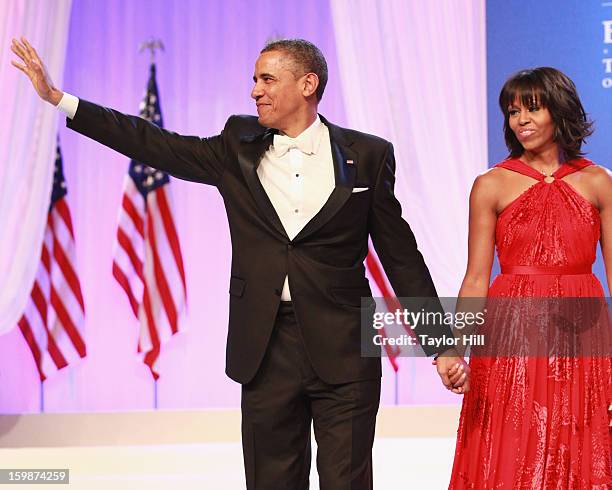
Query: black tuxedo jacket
324, 261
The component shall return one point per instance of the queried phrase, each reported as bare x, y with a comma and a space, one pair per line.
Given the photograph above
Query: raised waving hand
36, 71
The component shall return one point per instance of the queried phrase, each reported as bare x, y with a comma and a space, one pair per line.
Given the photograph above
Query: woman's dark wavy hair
547, 87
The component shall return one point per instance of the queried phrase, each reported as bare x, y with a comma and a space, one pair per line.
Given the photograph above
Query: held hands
35, 69
454, 371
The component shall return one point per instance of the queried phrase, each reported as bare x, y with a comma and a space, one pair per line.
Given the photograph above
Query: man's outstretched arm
187, 157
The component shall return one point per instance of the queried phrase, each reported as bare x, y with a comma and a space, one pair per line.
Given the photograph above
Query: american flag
147, 260
52, 322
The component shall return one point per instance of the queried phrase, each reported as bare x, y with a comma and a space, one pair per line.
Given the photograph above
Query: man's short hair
306, 55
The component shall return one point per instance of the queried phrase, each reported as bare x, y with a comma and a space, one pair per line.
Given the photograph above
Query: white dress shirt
298, 181
296, 173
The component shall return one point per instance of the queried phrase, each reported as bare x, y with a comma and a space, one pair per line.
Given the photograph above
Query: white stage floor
175, 450
407, 463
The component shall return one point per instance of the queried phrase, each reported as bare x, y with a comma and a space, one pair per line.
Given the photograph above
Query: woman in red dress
527, 421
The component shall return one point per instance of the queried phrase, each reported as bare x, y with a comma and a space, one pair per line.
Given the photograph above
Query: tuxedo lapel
344, 159
252, 148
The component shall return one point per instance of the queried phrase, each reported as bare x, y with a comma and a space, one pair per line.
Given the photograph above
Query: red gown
540, 422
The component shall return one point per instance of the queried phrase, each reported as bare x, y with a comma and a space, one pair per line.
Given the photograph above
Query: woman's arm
481, 242
603, 187
481, 236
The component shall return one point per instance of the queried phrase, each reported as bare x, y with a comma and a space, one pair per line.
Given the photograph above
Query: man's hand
454, 371
35, 69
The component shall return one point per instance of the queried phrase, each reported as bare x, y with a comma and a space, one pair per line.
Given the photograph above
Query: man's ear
311, 83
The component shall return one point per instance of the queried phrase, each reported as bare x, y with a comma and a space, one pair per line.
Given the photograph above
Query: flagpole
42, 397
152, 45
155, 394
396, 382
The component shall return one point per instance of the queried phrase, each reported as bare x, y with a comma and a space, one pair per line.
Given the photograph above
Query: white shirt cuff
68, 105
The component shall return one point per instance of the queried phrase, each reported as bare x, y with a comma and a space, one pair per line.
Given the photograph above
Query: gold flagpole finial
152, 45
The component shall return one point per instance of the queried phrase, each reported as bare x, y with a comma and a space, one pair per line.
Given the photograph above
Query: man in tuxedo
302, 196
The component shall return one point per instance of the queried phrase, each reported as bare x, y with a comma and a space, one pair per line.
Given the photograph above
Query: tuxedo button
289, 246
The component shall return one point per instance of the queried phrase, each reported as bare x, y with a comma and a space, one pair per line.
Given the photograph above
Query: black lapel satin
345, 175
251, 150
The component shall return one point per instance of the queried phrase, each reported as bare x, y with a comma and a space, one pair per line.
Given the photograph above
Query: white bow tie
283, 143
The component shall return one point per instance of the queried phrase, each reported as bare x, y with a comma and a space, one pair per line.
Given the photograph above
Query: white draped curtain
27, 147
414, 72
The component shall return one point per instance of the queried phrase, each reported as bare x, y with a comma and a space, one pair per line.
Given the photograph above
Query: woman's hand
454, 372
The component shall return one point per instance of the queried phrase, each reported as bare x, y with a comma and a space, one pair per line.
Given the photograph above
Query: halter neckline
566, 168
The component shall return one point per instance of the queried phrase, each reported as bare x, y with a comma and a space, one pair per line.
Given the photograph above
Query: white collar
308, 141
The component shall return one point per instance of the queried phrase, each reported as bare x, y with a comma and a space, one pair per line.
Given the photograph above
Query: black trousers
280, 404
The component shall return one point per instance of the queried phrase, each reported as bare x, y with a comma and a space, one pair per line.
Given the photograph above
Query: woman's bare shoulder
601, 180
598, 180
492, 177
598, 173
487, 184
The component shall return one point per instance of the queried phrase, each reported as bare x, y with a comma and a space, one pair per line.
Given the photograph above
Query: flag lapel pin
350, 162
